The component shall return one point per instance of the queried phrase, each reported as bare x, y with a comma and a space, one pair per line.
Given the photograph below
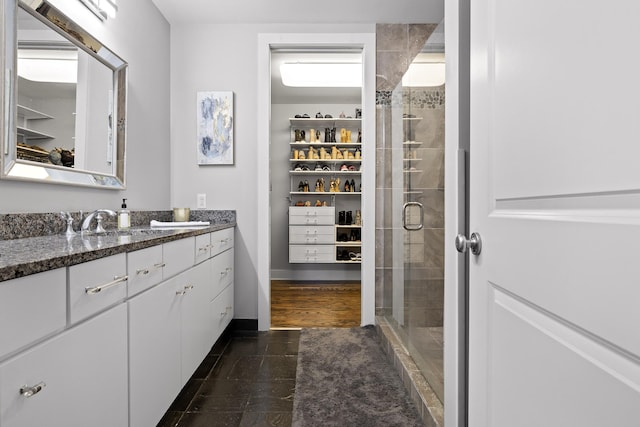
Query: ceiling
300, 11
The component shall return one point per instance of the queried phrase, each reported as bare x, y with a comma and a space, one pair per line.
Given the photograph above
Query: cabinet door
31, 307
144, 269
196, 318
154, 352
82, 374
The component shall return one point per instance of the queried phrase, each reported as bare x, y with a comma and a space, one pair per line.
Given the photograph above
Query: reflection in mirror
68, 89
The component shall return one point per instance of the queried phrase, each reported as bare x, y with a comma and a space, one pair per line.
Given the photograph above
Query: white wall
225, 57
140, 35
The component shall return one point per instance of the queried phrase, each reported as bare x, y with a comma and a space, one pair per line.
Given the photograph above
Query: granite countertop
22, 257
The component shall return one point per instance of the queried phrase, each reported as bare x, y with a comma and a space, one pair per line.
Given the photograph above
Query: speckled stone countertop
29, 255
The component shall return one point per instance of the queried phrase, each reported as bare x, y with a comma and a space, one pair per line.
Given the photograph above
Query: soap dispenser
124, 217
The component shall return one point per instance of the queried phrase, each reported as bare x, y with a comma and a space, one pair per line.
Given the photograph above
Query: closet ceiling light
56, 66
307, 74
103, 9
427, 74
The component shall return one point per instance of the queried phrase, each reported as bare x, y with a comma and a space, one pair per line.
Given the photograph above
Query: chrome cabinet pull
203, 248
181, 292
28, 391
226, 271
187, 287
142, 271
159, 265
227, 240
96, 289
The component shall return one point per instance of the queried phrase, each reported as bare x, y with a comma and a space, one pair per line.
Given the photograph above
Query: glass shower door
416, 167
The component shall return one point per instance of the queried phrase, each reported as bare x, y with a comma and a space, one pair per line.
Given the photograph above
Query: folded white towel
155, 223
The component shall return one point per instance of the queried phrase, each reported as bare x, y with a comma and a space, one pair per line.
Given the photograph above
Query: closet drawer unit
96, 285
303, 215
31, 307
144, 268
221, 240
311, 253
321, 234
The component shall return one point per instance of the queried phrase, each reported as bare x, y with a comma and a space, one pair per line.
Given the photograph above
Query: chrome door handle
474, 243
412, 227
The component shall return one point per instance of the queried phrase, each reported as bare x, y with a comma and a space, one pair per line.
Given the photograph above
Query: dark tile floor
248, 379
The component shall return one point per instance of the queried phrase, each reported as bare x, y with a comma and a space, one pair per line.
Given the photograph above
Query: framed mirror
64, 100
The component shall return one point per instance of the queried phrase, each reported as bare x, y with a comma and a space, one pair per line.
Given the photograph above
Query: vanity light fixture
316, 74
103, 9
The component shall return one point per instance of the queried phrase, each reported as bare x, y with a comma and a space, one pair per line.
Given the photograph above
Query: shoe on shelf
341, 218
347, 186
304, 168
297, 167
348, 218
319, 115
301, 186
355, 256
353, 186
344, 168
305, 116
318, 167
328, 116
326, 168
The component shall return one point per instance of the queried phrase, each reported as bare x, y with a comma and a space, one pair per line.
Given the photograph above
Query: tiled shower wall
424, 250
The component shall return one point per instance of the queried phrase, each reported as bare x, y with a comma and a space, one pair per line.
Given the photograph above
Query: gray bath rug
343, 378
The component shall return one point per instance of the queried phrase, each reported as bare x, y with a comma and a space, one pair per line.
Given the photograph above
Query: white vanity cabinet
76, 379
31, 308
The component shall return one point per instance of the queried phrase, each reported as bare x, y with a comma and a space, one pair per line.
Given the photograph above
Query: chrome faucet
98, 216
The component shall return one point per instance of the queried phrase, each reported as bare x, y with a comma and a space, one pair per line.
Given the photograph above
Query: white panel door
555, 195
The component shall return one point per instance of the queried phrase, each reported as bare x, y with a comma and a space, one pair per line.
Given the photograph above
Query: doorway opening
316, 171
320, 229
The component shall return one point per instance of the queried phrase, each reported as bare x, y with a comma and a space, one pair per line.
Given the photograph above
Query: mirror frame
17, 169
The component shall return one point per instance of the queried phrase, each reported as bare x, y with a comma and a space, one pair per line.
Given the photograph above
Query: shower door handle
412, 227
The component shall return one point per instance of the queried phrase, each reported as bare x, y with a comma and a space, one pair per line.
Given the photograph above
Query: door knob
474, 243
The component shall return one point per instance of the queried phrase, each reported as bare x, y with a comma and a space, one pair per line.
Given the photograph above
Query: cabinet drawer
322, 234
203, 248
177, 256
144, 269
311, 253
222, 306
302, 215
31, 307
95, 285
221, 240
222, 271
82, 375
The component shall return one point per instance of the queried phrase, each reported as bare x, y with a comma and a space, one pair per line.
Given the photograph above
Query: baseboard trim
243, 325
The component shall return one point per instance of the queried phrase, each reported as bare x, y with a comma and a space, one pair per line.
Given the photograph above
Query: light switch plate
202, 201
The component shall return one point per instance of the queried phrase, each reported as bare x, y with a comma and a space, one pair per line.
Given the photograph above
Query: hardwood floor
315, 304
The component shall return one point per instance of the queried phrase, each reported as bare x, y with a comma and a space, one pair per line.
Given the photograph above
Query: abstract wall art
215, 128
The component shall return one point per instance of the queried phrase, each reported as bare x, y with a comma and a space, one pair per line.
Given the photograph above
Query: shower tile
391, 37
433, 203
391, 66
434, 248
432, 167
417, 36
